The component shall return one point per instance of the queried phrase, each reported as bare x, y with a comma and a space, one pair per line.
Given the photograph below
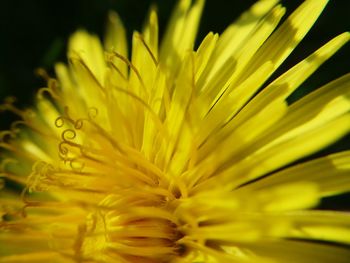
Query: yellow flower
179, 155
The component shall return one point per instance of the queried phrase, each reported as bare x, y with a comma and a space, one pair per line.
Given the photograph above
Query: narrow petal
287, 36
115, 40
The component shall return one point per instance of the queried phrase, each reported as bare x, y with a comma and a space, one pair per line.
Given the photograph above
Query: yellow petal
150, 33
115, 40
266, 160
89, 49
300, 72
320, 225
291, 251
180, 34
235, 36
287, 36
330, 174
178, 108
242, 57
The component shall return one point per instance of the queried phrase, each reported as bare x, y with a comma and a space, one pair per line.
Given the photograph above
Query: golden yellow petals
176, 153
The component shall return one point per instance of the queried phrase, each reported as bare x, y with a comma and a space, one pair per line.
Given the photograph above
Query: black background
34, 34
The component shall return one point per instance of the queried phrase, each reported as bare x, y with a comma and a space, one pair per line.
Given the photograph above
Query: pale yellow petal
291, 251
312, 111
180, 34
300, 72
204, 52
330, 174
150, 33
178, 109
235, 36
115, 40
287, 36
282, 87
89, 49
86, 83
266, 160
214, 91
319, 225
228, 107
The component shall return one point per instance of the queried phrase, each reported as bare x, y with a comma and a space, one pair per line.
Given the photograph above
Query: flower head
180, 155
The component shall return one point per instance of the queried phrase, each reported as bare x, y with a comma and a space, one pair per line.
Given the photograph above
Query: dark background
34, 34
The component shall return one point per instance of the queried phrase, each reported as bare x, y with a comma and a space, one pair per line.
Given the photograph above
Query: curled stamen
7, 135
6, 162
15, 126
50, 90
42, 91
79, 123
40, 72
76, 165
59, 122
68, 135
92, 113
8, 105
64, 149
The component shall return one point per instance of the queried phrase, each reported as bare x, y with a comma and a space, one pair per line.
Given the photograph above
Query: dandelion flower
180, 154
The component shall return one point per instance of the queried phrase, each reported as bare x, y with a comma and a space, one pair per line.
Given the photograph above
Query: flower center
132, 228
